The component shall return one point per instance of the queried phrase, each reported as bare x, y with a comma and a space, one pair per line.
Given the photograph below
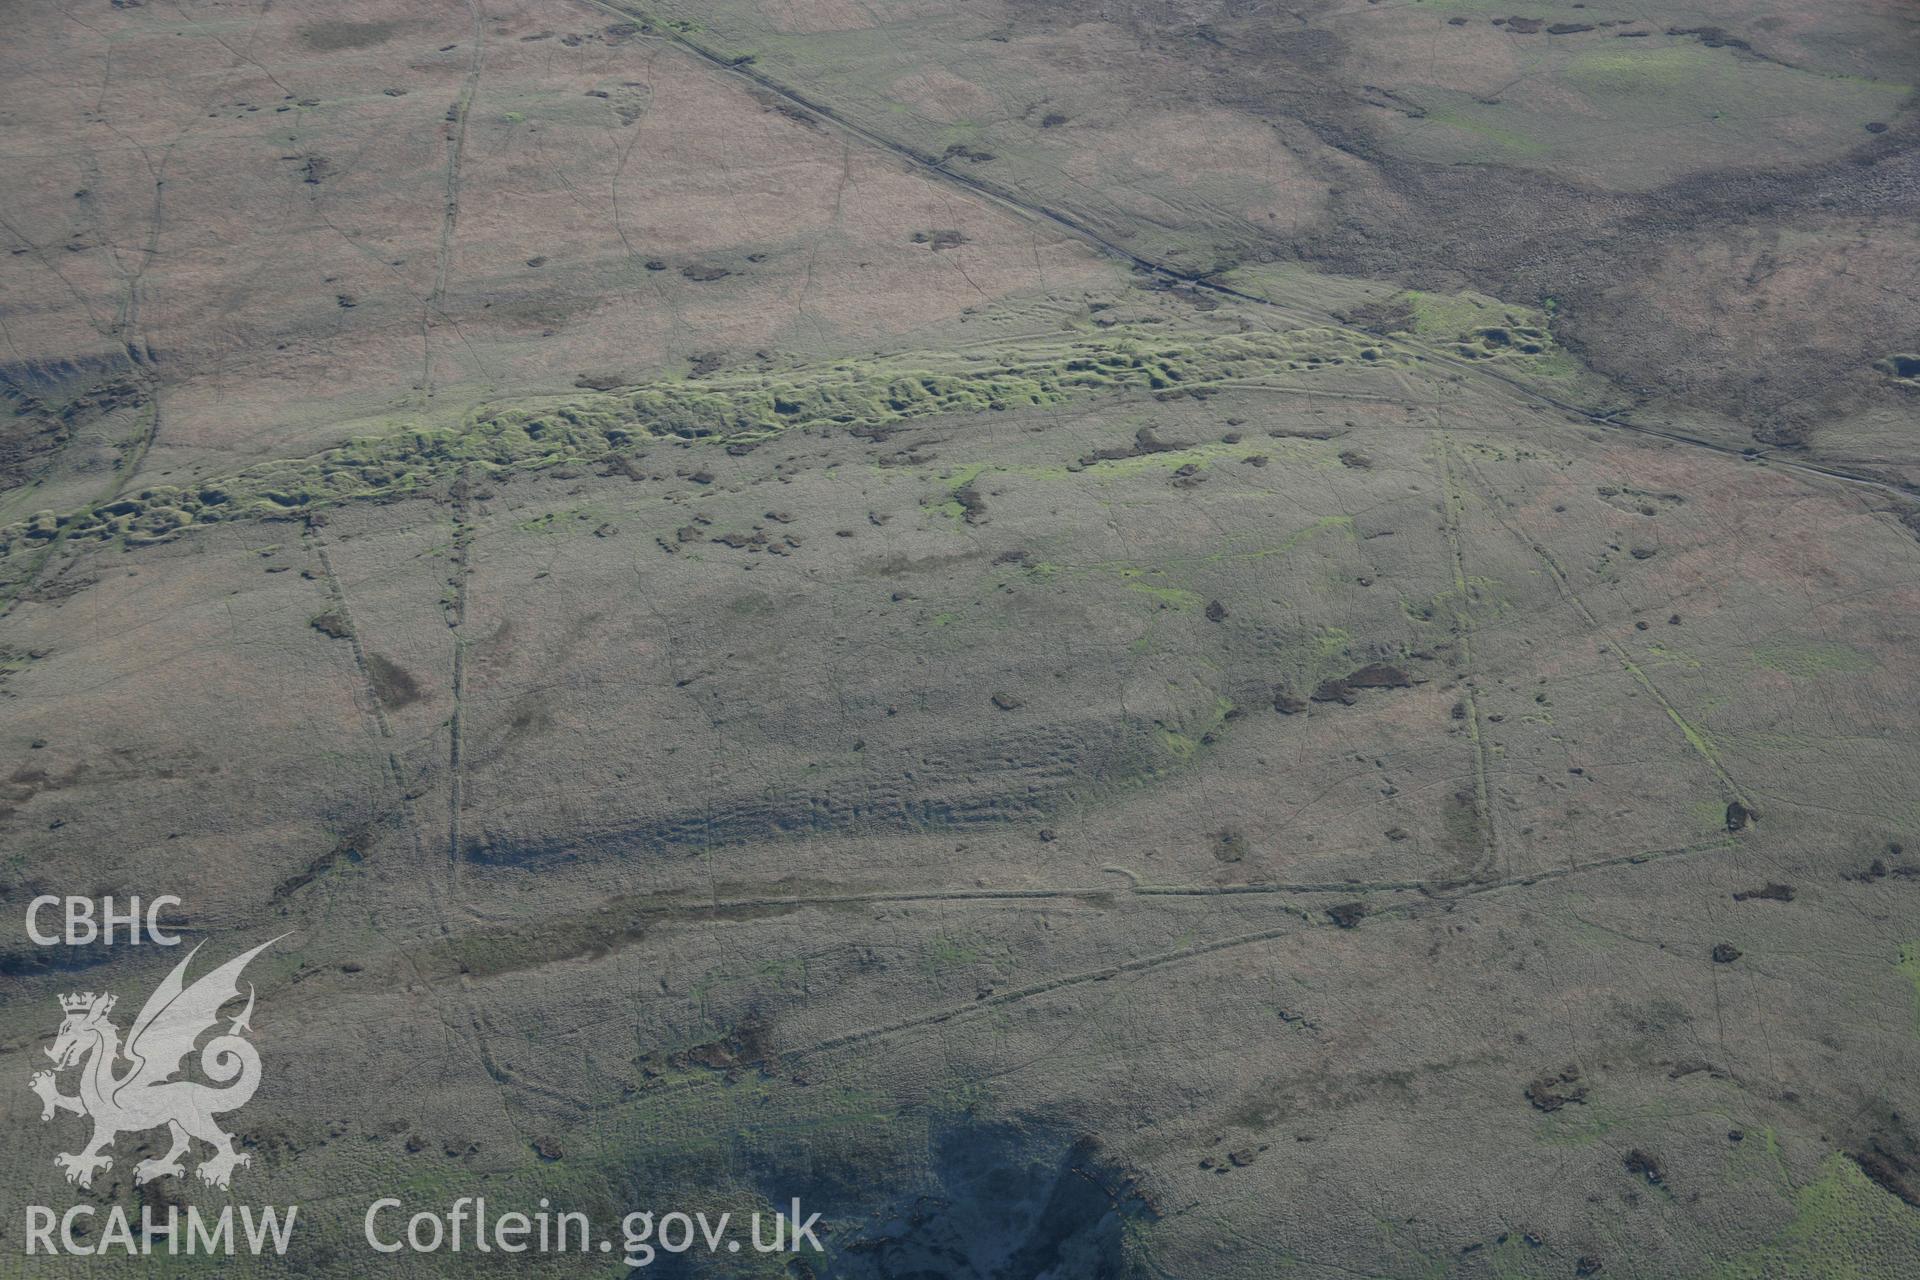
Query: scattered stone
1639, 1162
1334, 691
1890, 1171
942, 238
1347, 915
331, 625
1711, 37
1550, 1093
1144, 443
1379, 675
1692, 1066
973, 507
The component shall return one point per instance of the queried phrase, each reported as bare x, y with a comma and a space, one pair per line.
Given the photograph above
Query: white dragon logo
144, 1097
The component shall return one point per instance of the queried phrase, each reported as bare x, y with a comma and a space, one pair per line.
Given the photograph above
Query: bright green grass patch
1449, 315
1332, 642
1171, 597
1699, 75
1624, 69
1156, 582
1109, 469
958, 484
1178, 745
1473, 326
1843, 1228
1183, 745
739, 408
1489, 126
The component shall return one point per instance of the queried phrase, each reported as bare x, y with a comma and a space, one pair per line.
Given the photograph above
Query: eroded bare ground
1108, 640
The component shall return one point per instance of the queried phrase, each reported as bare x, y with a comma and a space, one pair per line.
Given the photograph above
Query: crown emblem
80, 1003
